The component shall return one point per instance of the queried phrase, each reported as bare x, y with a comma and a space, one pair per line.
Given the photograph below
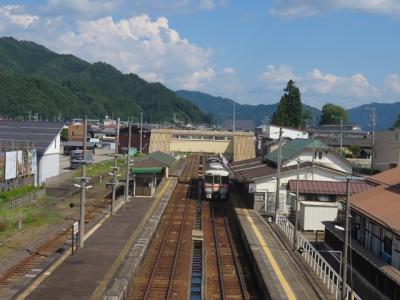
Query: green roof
294, 147
163, 158
147, 170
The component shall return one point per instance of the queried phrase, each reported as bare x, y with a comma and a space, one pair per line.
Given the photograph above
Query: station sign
252, 188
75, 228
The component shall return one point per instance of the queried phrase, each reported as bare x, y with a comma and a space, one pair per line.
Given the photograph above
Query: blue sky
345, 52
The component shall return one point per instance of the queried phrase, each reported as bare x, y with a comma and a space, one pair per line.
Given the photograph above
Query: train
216, 178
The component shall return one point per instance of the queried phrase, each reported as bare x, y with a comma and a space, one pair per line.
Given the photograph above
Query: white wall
49, 166
312, 215
268, 184
329, 160
49, 163
273, 132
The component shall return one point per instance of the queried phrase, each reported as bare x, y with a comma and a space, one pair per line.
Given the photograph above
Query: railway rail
30, 265
192, 233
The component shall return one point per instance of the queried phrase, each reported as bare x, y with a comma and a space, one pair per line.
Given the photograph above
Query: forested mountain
222, 108
386, 115
37, 80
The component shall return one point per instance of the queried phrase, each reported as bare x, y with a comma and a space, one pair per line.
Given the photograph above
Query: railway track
209, 249
225, 278
30, 265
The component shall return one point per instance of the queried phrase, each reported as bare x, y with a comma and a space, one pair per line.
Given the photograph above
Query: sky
345, 52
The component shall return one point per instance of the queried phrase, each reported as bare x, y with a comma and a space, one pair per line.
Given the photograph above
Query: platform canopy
147, 170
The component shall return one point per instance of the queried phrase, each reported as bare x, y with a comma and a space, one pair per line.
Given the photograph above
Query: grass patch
100, 168
17, 193
35, 215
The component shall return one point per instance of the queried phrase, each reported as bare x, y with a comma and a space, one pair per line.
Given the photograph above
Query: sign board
252, 188
11, 165
75, 228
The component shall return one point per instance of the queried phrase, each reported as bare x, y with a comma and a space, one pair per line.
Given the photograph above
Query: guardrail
26, 200
316, 261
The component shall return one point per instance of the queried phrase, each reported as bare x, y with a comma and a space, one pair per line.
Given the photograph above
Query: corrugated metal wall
243, 147
160, 141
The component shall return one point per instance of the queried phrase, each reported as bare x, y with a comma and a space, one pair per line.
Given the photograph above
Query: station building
235, 146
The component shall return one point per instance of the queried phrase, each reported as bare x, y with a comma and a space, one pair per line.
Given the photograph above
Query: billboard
2, 165
11, 164
20, 164
32, 158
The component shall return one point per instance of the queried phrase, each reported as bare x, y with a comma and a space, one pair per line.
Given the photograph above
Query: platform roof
320, 187
147, 170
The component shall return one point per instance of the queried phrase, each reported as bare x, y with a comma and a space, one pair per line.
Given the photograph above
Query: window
224, 179
217, 179
209, 179
320, 155
387, 245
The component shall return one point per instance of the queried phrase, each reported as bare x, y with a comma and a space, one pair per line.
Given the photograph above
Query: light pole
128, 161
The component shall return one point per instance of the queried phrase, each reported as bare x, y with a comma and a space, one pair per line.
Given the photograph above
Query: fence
316, 261
26, 200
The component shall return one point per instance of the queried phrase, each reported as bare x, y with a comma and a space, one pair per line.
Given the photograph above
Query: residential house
387, 150
375, 233
44, 138
258, 176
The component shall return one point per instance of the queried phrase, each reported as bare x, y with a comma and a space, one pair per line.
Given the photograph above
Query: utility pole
296, 203
83, 186
234, 117
128, 162
278, 175
346, 239
341, 135
372, 117
141, 131
114, 184
313, 158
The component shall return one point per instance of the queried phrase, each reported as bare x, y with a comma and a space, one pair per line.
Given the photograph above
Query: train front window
224, 179
209, 179
217, 179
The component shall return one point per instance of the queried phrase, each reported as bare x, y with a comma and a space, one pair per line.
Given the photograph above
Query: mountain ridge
35, 79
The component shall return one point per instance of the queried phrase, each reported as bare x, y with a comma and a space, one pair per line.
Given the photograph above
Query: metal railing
316, 261
26, 200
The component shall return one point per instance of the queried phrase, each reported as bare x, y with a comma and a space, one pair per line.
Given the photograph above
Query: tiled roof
163, 158
41, 134
327, 187
294, 147
381, 203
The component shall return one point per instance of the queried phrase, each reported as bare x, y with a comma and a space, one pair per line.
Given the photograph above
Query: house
387, 150
267, 137
75, 132
258, 176
271, 131
375, 233
149, 172
135, 137
44, 137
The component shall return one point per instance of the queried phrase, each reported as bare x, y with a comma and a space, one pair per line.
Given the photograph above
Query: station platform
278, 275
88, 273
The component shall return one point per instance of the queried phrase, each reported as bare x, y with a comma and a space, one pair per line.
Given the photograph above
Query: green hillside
35, 79
222, 108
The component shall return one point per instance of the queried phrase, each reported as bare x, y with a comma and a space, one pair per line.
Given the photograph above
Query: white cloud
101, 8
392, 82
277, 76
304, 8
11, 13
316, 85
149, 48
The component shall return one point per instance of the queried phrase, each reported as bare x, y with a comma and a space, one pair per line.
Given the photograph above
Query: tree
290, 109
396, 124
332, 113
